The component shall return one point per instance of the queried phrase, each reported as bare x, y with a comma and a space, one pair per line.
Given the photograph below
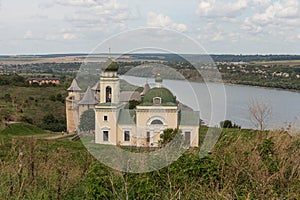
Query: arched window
157, 122
156, 100
108, 94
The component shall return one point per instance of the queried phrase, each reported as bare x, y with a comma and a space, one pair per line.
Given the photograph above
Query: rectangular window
148, 137
126, 136
105, 136
105, 118
187, 137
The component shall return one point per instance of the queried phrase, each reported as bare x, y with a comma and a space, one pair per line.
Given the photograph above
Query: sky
219, 26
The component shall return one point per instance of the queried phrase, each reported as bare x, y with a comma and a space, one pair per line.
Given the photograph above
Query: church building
115, 124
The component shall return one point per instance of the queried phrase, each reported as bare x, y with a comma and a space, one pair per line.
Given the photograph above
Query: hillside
22, 129
244, 164
34, 105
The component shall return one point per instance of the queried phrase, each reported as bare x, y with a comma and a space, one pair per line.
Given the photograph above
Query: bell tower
107, 111
109, 82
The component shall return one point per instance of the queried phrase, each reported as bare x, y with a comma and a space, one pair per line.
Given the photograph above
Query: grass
30, 103
244, 164
22, 129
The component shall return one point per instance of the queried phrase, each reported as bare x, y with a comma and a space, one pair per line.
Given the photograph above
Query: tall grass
243, 165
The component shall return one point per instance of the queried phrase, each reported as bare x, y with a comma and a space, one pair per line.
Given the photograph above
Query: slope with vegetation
244, 164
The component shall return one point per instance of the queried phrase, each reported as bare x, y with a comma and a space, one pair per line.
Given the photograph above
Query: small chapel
115, 124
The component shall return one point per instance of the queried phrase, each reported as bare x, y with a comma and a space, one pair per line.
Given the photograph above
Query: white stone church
157, 110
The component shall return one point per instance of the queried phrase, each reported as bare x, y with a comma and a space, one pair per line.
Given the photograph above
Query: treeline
262, 80
44, 68
21, 81
13, 79
214, 57
251, 58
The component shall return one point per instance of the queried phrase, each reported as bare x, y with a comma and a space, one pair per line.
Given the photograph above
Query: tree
87, 120
226, 124
260, 113
133, 103
168, 135
60, 98
50, 122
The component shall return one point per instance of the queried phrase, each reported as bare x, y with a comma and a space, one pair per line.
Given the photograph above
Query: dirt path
58, 136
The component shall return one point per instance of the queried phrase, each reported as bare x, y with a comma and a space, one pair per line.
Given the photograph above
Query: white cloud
287, 9
85, 3
180, 27
259, 4
213, 8
255, 20
298, 36
68, 36
61, 37
28, 35
106, 15
160, 20
217, 37
215, 33
280, 17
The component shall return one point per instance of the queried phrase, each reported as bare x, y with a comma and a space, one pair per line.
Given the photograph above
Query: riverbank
224, 82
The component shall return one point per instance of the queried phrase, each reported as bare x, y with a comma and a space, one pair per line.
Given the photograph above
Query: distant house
42, 81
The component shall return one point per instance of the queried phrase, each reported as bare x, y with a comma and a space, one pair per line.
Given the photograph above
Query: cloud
249, 19
298, 36
160, 20
213, 8
280, 17
180, 27
81, 3
68, 36
106, 15
28, 35
215, 33
61, 37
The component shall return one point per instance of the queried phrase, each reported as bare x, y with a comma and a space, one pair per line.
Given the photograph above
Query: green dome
165, 95
110, 66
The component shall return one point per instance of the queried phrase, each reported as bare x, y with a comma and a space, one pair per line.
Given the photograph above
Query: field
279, 62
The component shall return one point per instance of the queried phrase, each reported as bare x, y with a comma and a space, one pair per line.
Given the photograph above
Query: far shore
228, 83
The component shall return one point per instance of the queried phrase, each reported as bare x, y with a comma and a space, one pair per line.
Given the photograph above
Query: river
217, 102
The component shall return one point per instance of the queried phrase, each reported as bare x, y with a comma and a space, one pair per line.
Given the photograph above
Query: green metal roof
152, 104
165, 94
126, 117
189, 118
110, 66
